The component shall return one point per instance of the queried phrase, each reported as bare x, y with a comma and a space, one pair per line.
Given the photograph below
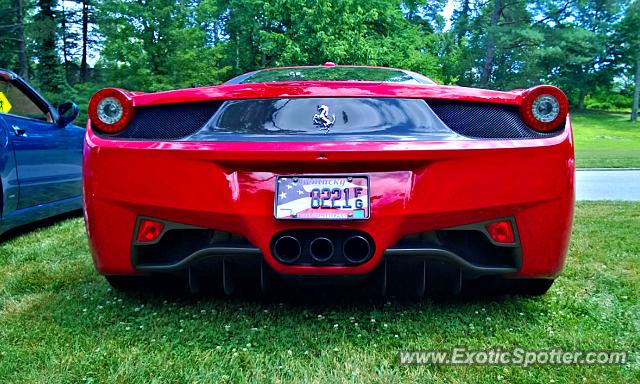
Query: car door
48, 157
8, 175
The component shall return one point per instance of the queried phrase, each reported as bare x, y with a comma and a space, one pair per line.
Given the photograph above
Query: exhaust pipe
356, 249
287, 249
321, 249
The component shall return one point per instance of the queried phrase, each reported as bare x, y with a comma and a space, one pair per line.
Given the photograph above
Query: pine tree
50, 75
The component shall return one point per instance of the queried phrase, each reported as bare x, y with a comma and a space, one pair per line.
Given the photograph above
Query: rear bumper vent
168, 121
485, 121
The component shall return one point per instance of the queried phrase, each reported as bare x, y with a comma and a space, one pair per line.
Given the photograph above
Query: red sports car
333, 174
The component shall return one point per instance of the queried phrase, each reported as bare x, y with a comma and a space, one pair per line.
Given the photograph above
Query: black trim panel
468, 247
486, 120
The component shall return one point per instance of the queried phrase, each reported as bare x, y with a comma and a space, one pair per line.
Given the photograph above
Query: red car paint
415, 186
327, 89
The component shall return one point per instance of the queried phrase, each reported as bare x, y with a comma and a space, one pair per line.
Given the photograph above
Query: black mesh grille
486, 121
169, 121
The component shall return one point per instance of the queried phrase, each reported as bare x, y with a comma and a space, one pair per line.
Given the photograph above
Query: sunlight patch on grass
605, 140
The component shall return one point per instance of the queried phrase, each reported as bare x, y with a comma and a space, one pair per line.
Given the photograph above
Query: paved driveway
608, 185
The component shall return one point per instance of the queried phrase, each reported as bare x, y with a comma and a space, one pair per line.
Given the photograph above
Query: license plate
322, 197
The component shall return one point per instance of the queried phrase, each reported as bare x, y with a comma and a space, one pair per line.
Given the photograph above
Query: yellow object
5, 105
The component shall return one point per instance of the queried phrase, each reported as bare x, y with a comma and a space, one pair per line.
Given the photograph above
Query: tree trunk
636, 92
491, 44
23, 63
237, 41
65, 51
462, 24
581, 96
85, 38
49, 71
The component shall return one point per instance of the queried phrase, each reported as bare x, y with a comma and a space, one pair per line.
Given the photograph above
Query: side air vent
168, 121
485, 121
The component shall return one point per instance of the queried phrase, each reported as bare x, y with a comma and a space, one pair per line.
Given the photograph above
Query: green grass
60, 322
606, 140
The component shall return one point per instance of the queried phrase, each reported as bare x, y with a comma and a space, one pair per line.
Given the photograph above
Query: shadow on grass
315, 296
25, 229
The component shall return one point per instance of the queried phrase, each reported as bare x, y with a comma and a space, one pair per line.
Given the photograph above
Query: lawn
60, 322
606, 140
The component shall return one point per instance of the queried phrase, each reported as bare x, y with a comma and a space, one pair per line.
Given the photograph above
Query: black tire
529, 287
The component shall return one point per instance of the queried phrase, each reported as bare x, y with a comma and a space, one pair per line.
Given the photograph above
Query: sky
448, 11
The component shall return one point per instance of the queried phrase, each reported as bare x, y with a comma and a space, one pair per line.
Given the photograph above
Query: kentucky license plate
322, 197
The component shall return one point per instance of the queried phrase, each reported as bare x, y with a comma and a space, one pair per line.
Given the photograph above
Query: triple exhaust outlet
354, 249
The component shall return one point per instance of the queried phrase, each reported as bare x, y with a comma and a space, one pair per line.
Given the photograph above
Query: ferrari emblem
5, 105
322, 118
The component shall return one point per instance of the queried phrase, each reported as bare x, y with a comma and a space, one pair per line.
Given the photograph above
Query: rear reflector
501, 232
149, 230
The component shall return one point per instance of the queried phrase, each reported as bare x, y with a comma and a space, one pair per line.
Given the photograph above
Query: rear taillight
149, 230
501, 232
111, 110
544, 108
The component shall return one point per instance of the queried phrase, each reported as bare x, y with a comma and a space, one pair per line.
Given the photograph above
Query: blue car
40, 155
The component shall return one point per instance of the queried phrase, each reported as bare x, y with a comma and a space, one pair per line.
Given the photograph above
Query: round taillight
111, 110
544, 108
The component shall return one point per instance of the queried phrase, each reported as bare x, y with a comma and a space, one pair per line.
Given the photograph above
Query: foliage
374, 32
49, 74
606, 100
154, 45
583, 46
8, 54
629, 49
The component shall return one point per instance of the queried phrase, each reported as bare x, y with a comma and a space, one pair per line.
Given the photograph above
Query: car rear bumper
469, 248
416, 187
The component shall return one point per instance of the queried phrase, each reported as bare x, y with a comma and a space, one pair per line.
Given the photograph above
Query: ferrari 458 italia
333, 174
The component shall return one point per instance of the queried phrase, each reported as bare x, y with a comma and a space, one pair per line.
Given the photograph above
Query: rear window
339, 73
323, 119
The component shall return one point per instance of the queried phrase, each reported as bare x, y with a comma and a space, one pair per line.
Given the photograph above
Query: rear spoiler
326, 89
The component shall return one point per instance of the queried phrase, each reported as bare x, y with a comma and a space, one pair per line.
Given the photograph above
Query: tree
87, 17
23, 63
586, 58
426, 14
157, 45
77, 19
629, 35
50, 77
496, 45
13, 44
70, 37
373, 32
490, 42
